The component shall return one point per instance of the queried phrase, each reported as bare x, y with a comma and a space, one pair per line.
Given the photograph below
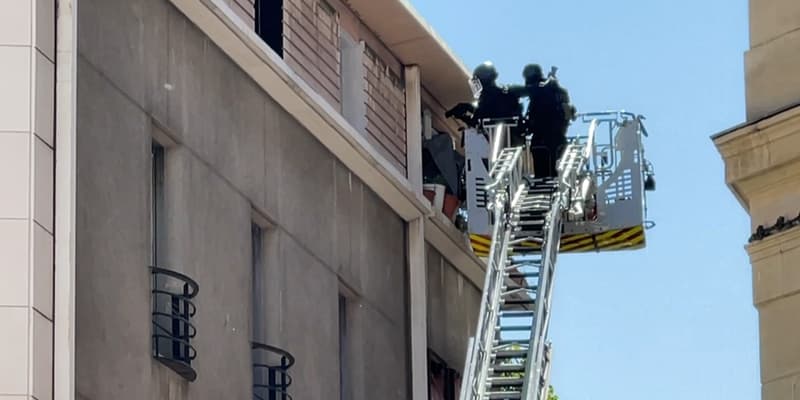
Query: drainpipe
65, 173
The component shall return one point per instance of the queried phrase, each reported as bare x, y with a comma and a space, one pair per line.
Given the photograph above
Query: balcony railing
271, 379
173, 330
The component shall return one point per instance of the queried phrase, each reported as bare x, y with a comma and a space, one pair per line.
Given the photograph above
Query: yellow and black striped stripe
618, 239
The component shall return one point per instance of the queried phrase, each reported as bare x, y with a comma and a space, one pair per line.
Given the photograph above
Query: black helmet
485, 72
533, 73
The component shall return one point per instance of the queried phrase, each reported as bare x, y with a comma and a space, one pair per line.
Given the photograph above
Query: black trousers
546, 148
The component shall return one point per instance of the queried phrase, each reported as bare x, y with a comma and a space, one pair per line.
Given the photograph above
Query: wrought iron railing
271, 379
173, 330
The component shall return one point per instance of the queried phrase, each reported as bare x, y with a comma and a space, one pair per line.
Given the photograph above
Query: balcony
173, 330
271, 379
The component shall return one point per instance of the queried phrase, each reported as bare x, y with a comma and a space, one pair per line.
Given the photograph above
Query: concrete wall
234, 151
27, 89
764, 172
775, 293
771, 64
763, 169
453, 307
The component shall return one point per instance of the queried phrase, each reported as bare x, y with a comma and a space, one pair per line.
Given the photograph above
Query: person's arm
462, 111
517, 90
569, 108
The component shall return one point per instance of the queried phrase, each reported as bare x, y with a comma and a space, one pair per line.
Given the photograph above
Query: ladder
509, 356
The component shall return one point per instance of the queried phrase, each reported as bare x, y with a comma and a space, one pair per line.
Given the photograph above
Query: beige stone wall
776, 292
762, 167
771, 64
27, 74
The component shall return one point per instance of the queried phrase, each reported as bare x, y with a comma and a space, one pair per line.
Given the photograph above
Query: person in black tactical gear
494, 101
547, 118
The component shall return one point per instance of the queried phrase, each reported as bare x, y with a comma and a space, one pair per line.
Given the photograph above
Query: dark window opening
258, 283
269, 23
343, 350
157, 203
444, 383
172, 292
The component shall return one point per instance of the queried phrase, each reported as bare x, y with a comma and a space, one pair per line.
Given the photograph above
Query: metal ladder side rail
533, 370
490, 304
483, 347
572, 162
502, 204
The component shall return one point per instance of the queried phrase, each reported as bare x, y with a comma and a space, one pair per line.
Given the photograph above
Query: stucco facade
762, 169
352, 271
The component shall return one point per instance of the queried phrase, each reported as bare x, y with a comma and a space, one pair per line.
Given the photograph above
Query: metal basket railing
173, 330
271, 379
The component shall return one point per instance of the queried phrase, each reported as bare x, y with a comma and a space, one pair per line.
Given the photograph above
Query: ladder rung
503, 396
522, 240
509, 354
523, 250
513, 328
505, 381
534, 233
515, 291
516, 314
501, 368
506, 342
521, 287
523, 275
519, 302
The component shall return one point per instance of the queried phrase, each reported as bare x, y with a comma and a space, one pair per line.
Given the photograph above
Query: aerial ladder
519, 224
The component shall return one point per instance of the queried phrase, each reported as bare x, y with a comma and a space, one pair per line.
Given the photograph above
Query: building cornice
761, 155
414, 42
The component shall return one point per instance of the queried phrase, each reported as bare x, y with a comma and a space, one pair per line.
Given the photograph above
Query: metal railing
505, 191
572, 162
271, 379
173, 330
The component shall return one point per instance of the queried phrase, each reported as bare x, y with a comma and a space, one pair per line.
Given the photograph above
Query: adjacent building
762, 169
222, 199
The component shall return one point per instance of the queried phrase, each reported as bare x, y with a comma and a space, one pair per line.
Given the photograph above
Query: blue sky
673, 321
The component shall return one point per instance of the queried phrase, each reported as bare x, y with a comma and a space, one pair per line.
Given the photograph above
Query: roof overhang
414, 42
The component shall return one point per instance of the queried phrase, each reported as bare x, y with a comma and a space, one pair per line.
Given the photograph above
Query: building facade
202, 198
762, 169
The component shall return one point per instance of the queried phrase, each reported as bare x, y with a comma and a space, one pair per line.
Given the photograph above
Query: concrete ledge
775, 270
216, 19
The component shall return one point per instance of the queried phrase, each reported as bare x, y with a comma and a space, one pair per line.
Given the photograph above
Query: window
172, 292
343, 350
443, 382
157, 204
354, 106
257, 240
269, 23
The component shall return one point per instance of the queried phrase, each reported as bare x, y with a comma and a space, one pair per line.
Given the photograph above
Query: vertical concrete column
27, 73
763, 169
419, 313
65, 176
427, 124
414, 127
776, 295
